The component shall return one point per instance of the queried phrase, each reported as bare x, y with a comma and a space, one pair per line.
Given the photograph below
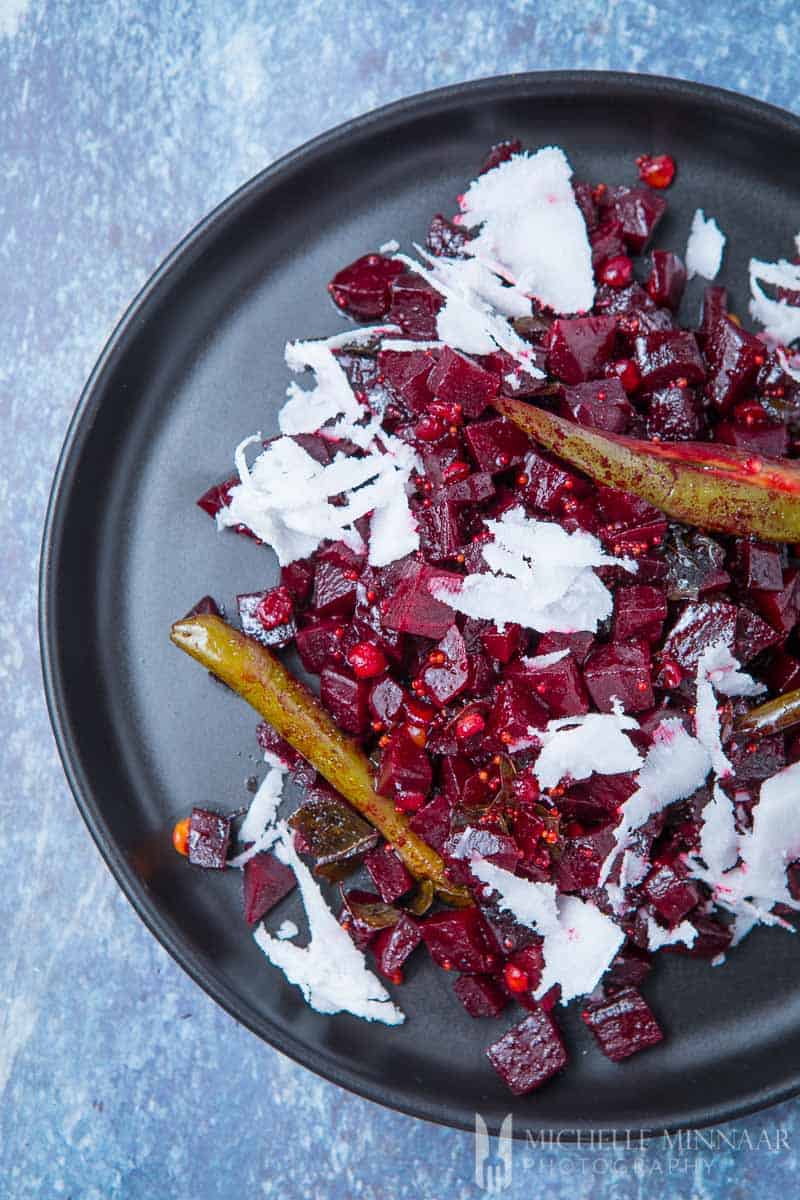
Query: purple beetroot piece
265, 881
734, 358
362, 288
448, 673
432, 822
388, 873
459, 940
667, 279
267, 616
623, 1025
620, 670
209, 835
480, 996
666, 356
407, 375
497, 444
558, 686
529, 1053
638, 210
674, 414
412, 608
413, 305
579, 348
393, 946
600, 404
405, 768
671, 894
458, 379
345, 698
639, 612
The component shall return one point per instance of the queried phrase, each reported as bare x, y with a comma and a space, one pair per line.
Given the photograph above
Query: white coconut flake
780, 320
718, 671
330, 971
596, 744
540, 577
675, 766
532, 227
705, 246
287, 929
684, 934
389, 247
579, 941
719, 841
539, 661
307, 410
264, 806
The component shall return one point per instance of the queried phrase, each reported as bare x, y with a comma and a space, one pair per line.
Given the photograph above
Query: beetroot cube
209, 835
607, 242
558, 686
699, 626
529, 1053
412, 608
362, 288
405, 767
585, 202
388, 873
497, 444
440, 529
386, 699
446, 240
317, 644
217, 497
620, 671
480, 996
781, 608
460, 848
579, 866
407, 375
673, 415
516, 710
579, 348
270, 740
335, 582
432, 822
393, 946
623, 1025
666, 356
502, 646
639, 611
600, 404
580, 645
459, 940
667, 279
414, 305
758, 565
756, 760
734, 357
265, 881
447, 679
361, 931
298, 579
345, 698
753, 635
630, 968
257, 610
473, 489
713, 938
458, 379
715, 305
549, 484
670, 893
771, 440
205, 606
638, 210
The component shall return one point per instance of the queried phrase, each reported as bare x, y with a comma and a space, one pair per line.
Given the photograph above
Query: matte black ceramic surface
197, 364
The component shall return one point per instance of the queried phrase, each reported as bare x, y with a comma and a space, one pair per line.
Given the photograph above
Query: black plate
195, 365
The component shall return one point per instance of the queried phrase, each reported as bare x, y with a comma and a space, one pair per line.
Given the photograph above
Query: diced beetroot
458, 379
515, 380
209, 835
638, 211
445, 239
413, 305
639, 611
529, 1053
217, 497
547, 484
578, 868
502, 646
407, 374
458, 940
527, 964
713, 938
666, 356
629, 525
270, 740
670, 892
480, 996
630, 968
268, 616
600, 404
784, 673
585, 202
432, 822
440, 529
607, 242
579, 348
362, 288
386, 699
298, 579
771, 440
448, 673
472, 489
734, 357
405, 767
318, 643
781, 608
758, 565
620, 671
667, 279
755, 760
412, 608
393, 946
388, 873
265, 881
360, 931
497, 444
623, 1025
516, 710
715, 305
699, 626
753, 635
335, 579
345, 698
599, 798
500, 153
673, 414
579, 645
558, 686
205, 606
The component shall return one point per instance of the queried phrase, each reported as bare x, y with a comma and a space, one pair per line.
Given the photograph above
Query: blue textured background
121, 124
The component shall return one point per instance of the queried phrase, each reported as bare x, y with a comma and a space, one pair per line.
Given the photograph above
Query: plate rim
432, 102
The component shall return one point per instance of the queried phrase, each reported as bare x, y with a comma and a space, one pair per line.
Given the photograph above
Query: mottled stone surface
121, 124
